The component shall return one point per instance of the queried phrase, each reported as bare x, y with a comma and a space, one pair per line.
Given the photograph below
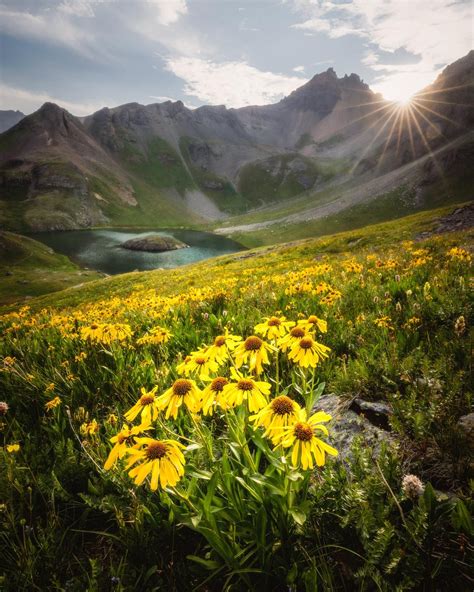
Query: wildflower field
166, 430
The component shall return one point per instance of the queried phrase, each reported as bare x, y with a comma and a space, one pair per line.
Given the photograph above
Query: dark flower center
274, 322
200, 360
121, 438
303, 432
182, 387
218, 384
147, 399
253, 343
245, 385
297, 332
282, 405
155, 450
306, 343
219, 341
313, 319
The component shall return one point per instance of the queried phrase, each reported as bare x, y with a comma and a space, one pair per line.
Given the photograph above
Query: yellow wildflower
211, 394
199, 363
219, 350
308, 352
12, 448
307, 447
383, 322
53, 403
458, 254
276, 415
273, 327
155, 336
313, 322
254, 393
182, 391
125, 436
294, 336
106, 333
89, 428
146, 406
254, 352
162, 458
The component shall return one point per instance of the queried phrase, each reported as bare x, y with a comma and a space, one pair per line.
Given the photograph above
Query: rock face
330, 131
348, 424
154, 244
466, 427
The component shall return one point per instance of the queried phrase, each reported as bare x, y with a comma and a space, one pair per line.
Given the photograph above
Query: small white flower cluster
412, 486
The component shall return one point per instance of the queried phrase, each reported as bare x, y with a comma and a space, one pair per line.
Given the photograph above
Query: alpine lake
102, 249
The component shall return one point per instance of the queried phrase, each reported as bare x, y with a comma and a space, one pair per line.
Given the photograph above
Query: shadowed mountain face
164, 164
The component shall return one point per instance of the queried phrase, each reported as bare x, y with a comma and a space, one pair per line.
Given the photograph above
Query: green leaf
207, 563
314, 397
205, 475
429, 497
196, 519
298, 515
462, 518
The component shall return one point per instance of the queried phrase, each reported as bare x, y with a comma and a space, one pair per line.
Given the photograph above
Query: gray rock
346, 425
154, 244
466, 426
214, 185
377, 412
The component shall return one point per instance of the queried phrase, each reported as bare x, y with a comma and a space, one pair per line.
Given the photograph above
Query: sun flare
404, 101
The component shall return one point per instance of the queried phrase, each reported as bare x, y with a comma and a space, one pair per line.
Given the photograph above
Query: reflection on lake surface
100, 249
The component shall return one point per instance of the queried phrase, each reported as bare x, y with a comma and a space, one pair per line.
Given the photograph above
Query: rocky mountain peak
319, 94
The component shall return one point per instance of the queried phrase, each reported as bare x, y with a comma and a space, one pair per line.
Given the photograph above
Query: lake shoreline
100, 249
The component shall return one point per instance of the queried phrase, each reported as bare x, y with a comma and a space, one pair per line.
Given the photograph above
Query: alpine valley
330, 156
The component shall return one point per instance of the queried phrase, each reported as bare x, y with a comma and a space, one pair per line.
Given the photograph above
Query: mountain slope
9, 118
331, 141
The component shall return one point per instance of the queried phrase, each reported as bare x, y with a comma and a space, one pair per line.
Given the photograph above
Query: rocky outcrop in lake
154, 243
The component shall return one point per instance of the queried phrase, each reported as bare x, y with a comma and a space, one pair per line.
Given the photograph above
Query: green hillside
29, 268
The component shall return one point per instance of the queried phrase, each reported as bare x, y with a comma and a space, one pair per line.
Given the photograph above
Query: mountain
330, 145
9, 118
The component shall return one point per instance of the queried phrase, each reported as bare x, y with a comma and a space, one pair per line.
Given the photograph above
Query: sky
87, 54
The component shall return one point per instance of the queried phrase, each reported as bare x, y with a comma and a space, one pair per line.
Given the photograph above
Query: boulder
154, 243
347, 425
466, 427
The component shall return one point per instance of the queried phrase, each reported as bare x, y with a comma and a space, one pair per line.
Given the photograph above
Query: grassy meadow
163, 430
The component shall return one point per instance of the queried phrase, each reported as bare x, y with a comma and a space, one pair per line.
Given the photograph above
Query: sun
399, 95
403, 101
400, 88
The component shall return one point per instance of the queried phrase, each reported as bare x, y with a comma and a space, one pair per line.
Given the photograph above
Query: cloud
50, 28
234, 84
169, 11
333, 28
64, 25
298, 69
77, 8
437, 30
27, 101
